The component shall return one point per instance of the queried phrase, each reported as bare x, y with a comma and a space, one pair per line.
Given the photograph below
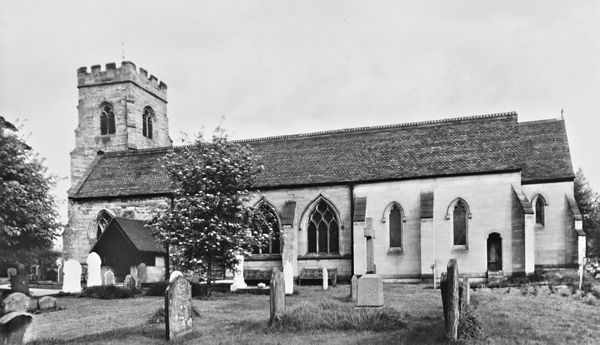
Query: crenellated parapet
127, 72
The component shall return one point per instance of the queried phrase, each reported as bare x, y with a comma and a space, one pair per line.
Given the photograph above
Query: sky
263, 68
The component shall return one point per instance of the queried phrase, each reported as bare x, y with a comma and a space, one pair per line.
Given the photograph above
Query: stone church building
488, 190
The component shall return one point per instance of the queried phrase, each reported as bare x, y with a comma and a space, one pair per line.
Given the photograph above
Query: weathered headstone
178, 308
129, 283
94, 275
72, 280
325, 279
109, 278
13, 327
47, 302
174, 275
354, 289
288, 277
20, 281
238, 275
370, 285
34, 272
450, 299
10, 272
60, 273
277, 295
142, 273
16, 301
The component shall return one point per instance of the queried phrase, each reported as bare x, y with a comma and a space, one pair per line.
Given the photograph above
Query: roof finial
562, 114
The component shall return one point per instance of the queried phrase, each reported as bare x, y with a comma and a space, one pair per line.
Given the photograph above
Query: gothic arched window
323, 229
395, 226
540, 204
460, 223
102, 220
273, 246
147, 122
107, 119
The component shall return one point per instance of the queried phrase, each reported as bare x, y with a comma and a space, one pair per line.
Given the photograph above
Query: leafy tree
589, 205
210, 221
28, 214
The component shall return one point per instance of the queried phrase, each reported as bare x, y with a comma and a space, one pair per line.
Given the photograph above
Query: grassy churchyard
508, 316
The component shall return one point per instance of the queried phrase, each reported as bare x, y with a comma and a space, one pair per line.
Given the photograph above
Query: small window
107, 120
147, 122
269, 218
395, 227
323, 230
460, 224
540, 204
102, 221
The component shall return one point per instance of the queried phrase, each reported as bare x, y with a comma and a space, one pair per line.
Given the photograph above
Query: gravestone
72, 279
238, 275
354, 289
35, 273
129, 283
20, 281
10, 272
109, 278
60, 274
288, 277
94, 274
325, 279
16, 301
174, 275
178, 308
465, 296
51, 274
47, 302
13, 327
370, 285
450, 299
277, 295
142, 272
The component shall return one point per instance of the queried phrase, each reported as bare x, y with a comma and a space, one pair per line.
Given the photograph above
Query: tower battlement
127, 72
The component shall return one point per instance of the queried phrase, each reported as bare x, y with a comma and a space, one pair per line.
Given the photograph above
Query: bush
469, 327
328, 315
106, 292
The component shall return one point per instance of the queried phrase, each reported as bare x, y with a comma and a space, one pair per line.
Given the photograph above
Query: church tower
120, 108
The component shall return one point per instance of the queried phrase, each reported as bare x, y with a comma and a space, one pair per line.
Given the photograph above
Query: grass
506, 318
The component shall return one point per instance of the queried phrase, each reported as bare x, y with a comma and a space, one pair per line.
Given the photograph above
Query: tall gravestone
109, 278
370, 285
72, 279
277, 295
450, 299
94, 274
325, 279
238, 275
60, 273
20, 281
288, 277
142, 272
178, 308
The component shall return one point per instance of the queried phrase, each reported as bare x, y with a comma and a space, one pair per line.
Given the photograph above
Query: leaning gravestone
109, 278
13, 327
277, 292
450, 299
142, 273
178, 308
72, 280
16, 301
288, 277
94, 275
129, 284
20, 281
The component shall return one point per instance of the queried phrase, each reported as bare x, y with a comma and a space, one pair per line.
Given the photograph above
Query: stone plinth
370, 291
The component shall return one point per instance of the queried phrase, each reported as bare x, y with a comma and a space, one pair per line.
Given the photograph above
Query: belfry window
147, 122
395, 227
273, 246
107, 119
540, 204
323, 230
460, 224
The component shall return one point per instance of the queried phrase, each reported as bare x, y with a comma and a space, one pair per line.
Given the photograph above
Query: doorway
494, 252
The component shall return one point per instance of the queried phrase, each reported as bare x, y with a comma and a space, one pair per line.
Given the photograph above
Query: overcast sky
282, 67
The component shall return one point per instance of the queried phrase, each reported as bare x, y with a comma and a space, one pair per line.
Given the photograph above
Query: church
492, 192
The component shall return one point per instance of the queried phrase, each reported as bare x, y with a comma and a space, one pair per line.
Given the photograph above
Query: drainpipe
351, 230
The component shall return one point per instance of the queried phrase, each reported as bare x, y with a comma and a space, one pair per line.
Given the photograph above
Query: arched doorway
494, 252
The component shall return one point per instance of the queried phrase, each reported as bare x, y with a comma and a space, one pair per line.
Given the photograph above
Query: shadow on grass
142, 333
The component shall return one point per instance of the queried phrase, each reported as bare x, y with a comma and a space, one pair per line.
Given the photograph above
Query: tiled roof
468, 145
140, 236
544, 151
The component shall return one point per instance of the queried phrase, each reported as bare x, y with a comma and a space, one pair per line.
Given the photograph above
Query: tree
589, 205
28, 213
210, 222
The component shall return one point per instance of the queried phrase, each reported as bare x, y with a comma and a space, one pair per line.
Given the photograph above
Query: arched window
102, 220
540, 204
269, 218
107, 119
395, 226
323, 229
460, 223
147, 122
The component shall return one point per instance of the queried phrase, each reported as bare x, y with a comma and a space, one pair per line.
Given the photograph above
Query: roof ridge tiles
541, 121
367, 128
